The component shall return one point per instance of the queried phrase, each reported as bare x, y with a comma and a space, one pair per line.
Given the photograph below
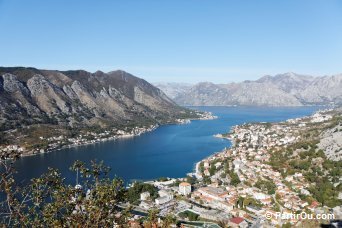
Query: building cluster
319, 117
248, 159
243, 203
12, 148
58, 142
206, 116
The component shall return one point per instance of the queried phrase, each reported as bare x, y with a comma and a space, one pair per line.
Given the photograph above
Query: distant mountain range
79, 98
287, 89
173, 89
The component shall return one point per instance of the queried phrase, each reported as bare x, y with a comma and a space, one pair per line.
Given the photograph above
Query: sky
176, 40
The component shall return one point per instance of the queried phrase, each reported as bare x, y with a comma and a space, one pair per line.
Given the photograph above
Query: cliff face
80, 98
287, 89
331, 142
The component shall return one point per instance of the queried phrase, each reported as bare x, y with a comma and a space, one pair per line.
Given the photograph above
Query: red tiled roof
237, 220
314, 204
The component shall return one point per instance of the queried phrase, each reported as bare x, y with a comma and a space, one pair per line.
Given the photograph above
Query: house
224, 206
146, 205
210, 215
167, 193
238, 222
213, 193
162, 200
255, 210
206, 164
165, 196
304, 192
260, 196
218, 165
313, 206
184, 188
133, 224
206, 172
144, 196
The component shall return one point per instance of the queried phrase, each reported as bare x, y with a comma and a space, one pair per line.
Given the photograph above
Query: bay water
168, 151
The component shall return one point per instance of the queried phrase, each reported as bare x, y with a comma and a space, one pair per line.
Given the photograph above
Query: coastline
197, 164
252, 165
112, 138
119, 135
227, 136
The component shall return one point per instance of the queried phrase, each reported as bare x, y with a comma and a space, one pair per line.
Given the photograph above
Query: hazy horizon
178, 41
184, 81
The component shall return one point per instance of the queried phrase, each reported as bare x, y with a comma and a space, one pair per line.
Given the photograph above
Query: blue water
169, 151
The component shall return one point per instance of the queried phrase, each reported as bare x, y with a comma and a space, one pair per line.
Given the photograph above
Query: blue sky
178, 40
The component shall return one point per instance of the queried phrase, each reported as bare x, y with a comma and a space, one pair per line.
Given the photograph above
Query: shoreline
227, 136
124, 135
102, 140
197, 164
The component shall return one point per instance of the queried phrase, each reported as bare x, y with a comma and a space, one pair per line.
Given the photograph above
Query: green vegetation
266, 186
168, 220
251, 202
212, 170
190, 215
305, 157
191, 180
234, 178
133, 193
3, 140
206, 180
49, 201
162, 179
201, 167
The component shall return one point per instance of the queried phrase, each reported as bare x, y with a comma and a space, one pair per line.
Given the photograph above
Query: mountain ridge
288, 89
79, 98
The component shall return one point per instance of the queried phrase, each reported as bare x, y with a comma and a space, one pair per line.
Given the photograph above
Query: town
239, 187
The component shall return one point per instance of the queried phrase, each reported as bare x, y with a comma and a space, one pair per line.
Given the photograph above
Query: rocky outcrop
50, 98
331, 143
11, 84
78, 98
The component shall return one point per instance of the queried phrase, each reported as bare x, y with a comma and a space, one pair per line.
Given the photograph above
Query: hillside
38, 104
79, 98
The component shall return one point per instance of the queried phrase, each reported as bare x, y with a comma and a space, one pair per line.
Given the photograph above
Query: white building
206, 164
165, 196
260, 196
162, 200
144, 196
184, 188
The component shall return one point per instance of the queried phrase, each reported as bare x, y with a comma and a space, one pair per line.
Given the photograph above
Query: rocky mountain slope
173, 89
79, 98
330, 139
287, 89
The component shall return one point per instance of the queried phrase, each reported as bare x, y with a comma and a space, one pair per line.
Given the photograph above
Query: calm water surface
169, 151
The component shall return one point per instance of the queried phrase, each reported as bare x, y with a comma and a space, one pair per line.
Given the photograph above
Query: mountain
173, 89
287, 89
79, 98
